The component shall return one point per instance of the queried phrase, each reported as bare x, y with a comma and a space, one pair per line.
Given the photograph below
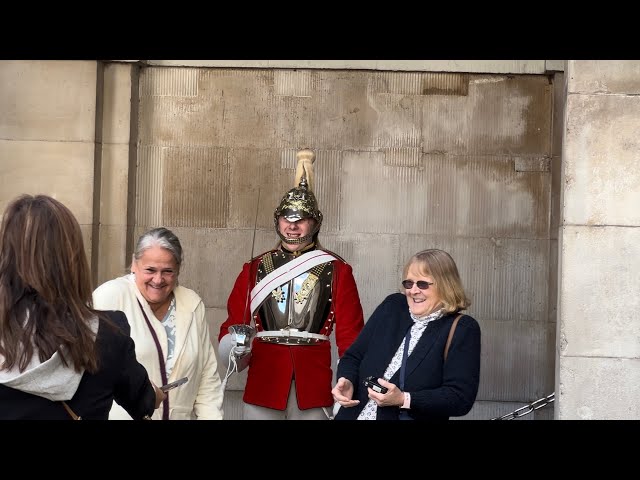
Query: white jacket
201, 397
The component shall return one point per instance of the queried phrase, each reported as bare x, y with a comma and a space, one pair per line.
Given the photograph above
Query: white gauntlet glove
243, 335
237, 343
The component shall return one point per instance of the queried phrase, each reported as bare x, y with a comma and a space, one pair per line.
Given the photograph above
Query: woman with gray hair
169, 328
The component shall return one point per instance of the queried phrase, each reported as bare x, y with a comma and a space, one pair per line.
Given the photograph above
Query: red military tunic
273, 366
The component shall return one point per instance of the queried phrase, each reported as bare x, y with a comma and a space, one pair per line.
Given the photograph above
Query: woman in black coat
403, 345
56, 351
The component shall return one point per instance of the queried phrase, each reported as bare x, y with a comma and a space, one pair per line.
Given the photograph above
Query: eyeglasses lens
422, 285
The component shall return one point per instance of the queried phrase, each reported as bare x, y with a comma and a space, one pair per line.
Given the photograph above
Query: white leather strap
286, 272
292, 334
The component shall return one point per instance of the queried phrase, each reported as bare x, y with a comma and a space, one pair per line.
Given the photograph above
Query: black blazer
120, 377
438, 390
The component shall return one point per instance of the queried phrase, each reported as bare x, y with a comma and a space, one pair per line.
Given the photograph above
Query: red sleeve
349, 319
237, 302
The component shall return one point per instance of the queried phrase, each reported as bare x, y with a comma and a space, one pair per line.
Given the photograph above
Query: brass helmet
300, 202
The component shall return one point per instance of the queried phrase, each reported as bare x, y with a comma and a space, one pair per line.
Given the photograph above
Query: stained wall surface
405, 161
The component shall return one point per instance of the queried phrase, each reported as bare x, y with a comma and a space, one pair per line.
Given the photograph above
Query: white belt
292, 333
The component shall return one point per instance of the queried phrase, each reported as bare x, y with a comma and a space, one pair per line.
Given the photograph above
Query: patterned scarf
370, 410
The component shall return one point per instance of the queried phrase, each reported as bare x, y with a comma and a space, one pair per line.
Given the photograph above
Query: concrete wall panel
598, 302
63, 170
114, 184
601, 171
517, 361
375, 278
195, 187
583, 381
604, 77
441, 194
48, 100
260, 178
113, 262
232, 405
87, 235
116, 106
181, 104
499, 115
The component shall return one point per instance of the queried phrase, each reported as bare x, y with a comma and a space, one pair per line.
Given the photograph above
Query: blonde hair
439, 265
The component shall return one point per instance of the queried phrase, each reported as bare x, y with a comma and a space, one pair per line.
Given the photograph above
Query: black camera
372, 383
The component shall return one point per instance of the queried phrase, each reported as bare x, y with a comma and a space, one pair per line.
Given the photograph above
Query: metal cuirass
303, 303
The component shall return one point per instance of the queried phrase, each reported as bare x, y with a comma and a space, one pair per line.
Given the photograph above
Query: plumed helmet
300, 202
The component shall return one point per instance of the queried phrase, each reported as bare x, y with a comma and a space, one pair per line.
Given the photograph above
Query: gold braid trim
278, 293
267, 261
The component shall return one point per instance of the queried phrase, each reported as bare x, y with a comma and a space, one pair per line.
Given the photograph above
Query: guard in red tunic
283, 307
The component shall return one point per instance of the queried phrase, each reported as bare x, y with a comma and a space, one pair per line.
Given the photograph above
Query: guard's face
297, 229
156, 274
422, 301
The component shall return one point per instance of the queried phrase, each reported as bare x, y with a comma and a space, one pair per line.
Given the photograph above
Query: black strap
403, 415
163, 371
405, 354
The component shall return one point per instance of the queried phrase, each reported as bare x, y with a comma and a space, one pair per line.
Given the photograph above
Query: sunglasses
422, 285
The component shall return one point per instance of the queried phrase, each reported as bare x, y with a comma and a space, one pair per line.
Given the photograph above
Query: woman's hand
393, 398
343, 393
160, 395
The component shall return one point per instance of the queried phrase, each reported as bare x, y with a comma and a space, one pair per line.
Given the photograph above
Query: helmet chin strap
299, 240
295, 241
